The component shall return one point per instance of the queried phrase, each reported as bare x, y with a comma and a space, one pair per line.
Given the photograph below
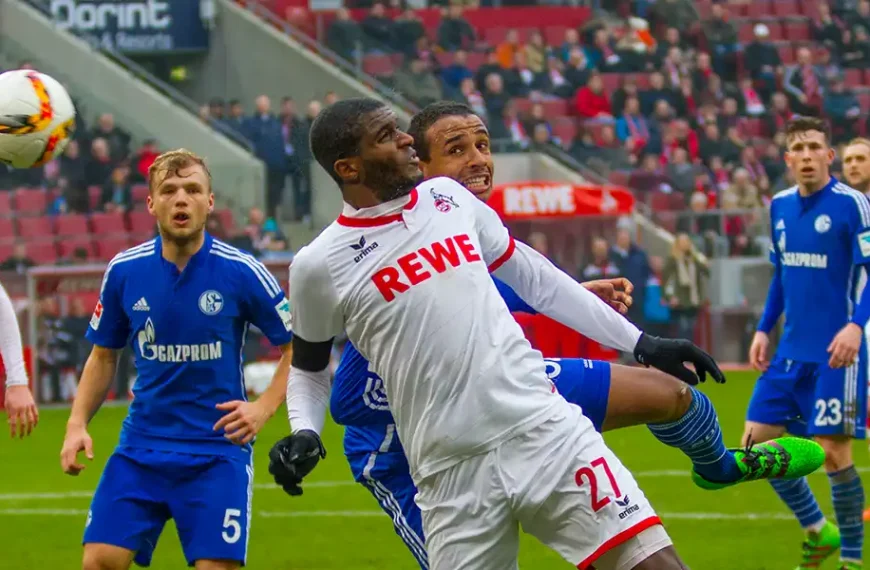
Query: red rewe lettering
413, 269
441, 254
388, 283
467, 248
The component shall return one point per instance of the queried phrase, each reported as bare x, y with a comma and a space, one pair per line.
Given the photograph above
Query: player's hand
77, 439
243, 420
758, 351
294, 457
614, 292
21, 409
844, 348
669, 356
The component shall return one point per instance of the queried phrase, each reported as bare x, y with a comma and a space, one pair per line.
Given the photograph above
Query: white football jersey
409, 280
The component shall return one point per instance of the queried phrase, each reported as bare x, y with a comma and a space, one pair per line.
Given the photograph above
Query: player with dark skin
459, 147
387, 167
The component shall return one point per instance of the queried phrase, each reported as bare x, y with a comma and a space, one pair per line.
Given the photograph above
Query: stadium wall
102, 85
249, 57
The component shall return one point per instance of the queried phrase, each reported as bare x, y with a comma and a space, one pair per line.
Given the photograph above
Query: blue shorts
378, 461
812, 399
208, 496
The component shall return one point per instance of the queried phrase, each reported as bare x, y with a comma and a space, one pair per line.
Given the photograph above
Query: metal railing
345, 66
177, 97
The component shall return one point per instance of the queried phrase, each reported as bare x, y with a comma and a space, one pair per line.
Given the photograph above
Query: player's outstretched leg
683, 417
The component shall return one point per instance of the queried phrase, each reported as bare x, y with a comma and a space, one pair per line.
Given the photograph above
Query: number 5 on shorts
587, 474
232, 529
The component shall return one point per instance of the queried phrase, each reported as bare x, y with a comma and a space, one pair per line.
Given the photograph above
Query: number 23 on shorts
828, 412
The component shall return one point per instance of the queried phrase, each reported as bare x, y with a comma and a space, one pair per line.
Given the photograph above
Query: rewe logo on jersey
414, 268
362, 248
174, 352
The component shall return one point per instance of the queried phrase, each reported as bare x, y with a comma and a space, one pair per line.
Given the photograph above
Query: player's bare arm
20, 408
244, 420
97, 377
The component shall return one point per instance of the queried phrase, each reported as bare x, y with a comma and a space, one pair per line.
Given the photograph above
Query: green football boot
781, 458
820, 545
850, 566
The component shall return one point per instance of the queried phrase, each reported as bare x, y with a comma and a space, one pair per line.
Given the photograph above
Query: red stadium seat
141, 222
31, 201
140, 192
35, 228
42, 252
786, 8
7, 230
109, 247
69, 245
71, 225
108, 223
554, 35
6, 250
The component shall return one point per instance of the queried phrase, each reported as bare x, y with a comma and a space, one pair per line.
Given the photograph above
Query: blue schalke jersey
821, 245
358, 397
187, 331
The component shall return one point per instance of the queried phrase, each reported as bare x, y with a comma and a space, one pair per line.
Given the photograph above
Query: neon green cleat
781, 458
820, 545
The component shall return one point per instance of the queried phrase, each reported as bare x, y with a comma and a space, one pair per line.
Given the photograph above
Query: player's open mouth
807, 170
180, 218
478, 184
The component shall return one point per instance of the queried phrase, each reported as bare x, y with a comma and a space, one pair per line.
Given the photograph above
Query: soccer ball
37, 118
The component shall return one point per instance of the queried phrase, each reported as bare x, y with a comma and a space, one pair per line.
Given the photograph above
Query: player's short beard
386, 180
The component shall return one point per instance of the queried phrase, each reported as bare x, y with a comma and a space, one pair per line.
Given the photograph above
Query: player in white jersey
491, 445
20, 408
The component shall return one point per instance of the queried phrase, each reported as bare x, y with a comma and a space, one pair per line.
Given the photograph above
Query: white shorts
559, 481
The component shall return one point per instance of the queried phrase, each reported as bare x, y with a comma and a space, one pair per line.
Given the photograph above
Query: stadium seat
108, 223
71, 225
42, 252
6, 250
35, 228
67, 246
107, 248
141, 222
226, 217
140, 192
31, 201
786, 8
7, 230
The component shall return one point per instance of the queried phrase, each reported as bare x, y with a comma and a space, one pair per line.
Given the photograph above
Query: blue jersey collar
197, 258
809, 201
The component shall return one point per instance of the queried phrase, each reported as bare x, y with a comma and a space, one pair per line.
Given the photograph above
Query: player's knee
677, 400
838, 452
105, 557
217, 565
665, 559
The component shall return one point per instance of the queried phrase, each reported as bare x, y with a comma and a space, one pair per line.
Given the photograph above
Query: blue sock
848, 495
797, 495
698, 435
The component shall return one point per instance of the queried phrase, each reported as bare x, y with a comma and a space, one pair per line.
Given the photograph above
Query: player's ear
210, 202
149, 202
348, 169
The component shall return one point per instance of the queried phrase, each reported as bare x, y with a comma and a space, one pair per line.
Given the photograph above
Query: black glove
293, 457
669, 356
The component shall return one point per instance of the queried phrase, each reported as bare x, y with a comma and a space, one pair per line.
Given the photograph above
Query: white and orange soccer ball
37, 118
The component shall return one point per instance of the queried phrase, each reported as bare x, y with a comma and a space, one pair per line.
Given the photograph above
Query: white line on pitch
317, 485
367, 514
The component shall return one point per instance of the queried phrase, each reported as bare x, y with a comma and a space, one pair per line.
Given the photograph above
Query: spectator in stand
601, 53
656, 313
852, 51
495, 97
522, 81
19, 261
675, 68
536, 117
117, 138
329, 98
721, 35
712, 144
454, 74
407, 30
577, 69
117, 195
510, 127
599, 266
755, 170
650, 177
554, 79
216, 109
454, 31
670, 40
632, 128
825, 27
680, 14
471, 96
143, 160
417, 83
344, 35
657, 91
861, 16
762, 61
506, 51
633, 264
536, 52
377, 30
683, 278
751, 102
591, 101
627, 88
264, 130
681, 171
99, 165
73, 179
611, 153
489, 66
803, 83
295, 137
572, 42
236, 117
743, 193
780, 113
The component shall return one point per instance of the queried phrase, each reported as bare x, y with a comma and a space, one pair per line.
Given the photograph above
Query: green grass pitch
337, 525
